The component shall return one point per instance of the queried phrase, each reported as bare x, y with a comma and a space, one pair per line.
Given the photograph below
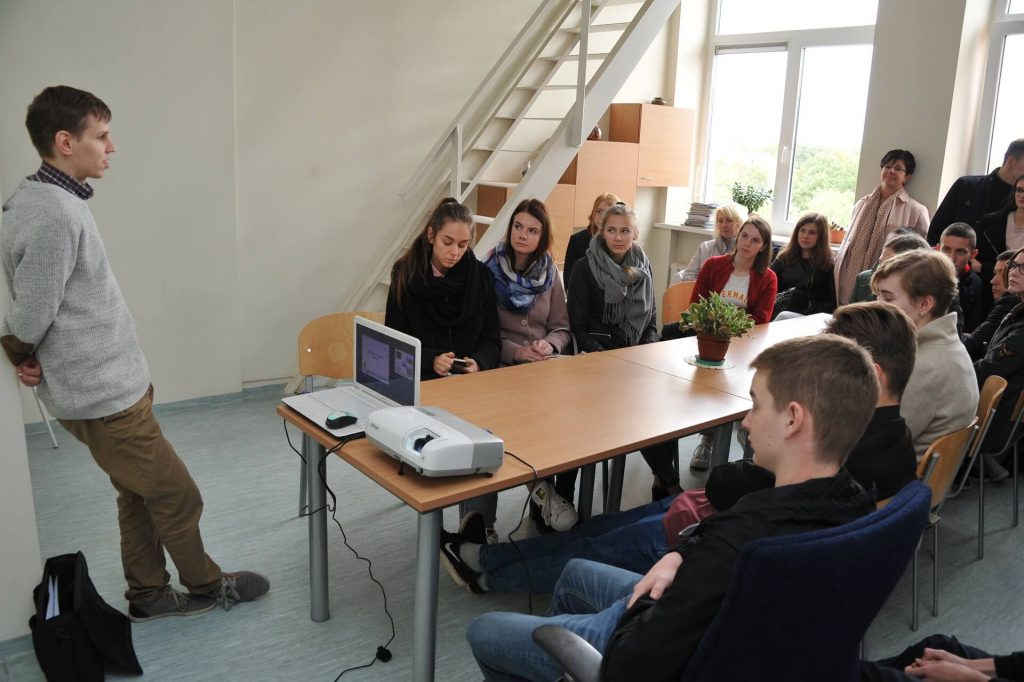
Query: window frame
1002, 26
793, 43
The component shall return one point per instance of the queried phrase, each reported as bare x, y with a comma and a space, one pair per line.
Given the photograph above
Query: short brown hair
57, 108
923, 272
833, 378
884, 331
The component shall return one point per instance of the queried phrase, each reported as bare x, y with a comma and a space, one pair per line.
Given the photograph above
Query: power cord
382, 654
522, 517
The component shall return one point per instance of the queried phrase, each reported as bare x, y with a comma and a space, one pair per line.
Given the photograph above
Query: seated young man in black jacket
977, 341
940, 657
812, 399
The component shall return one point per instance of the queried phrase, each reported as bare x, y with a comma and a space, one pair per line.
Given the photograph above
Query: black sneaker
462, 574
170, 603
473, 529
241, 586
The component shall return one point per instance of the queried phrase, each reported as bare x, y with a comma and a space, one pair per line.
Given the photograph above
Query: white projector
434, 442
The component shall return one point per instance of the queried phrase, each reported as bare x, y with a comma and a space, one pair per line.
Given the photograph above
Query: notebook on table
385, 371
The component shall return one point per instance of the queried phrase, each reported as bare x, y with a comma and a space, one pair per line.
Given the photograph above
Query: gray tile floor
238, 455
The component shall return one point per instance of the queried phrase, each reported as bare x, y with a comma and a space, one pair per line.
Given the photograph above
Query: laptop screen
387, 362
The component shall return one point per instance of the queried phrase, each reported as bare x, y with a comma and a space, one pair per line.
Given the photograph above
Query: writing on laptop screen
386, 365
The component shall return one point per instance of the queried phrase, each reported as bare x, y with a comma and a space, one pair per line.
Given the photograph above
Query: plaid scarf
517, 292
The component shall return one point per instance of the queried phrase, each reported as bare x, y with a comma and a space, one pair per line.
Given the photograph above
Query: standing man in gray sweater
69, 332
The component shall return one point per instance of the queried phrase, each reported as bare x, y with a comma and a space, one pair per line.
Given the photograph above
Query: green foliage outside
824, 179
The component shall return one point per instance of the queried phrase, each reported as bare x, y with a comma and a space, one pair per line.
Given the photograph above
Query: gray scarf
628, 288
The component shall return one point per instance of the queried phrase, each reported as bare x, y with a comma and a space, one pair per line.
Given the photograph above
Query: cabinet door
603, 167
666, 135
561, 204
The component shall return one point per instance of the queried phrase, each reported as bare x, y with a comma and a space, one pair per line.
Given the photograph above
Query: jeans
633, 540
589, 599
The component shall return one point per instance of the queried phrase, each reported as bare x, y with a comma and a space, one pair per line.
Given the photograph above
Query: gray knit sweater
67, 304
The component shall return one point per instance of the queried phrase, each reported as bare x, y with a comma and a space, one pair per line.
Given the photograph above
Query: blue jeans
589, 599
633, 540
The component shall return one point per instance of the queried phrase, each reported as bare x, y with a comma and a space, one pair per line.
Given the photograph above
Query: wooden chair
675, 301
988, 401
1011, 445
326, 347
938, 469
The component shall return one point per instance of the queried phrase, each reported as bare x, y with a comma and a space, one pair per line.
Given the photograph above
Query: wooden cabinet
599, 168
665, 138
560, 204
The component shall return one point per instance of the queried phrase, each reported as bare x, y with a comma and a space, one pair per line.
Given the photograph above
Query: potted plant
836, 233
750, 196
716, 322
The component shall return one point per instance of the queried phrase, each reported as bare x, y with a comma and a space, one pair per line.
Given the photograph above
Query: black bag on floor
88, 635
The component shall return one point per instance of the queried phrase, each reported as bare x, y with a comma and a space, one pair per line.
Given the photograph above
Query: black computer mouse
339, 420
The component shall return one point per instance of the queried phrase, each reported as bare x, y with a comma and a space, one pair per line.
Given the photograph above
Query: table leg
424, 620
615, 484
319, 604
722, 442
587, 474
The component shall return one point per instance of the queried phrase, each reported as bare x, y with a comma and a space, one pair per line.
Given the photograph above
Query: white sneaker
701, 459
491, 535
557, 513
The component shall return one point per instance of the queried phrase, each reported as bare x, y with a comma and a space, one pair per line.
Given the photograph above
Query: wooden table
556, 415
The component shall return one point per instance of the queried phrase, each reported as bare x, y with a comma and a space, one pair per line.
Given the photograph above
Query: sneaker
554, 509
538, 519
241, 586
462, 574
491, 535
170, 603
993, 469
701, 459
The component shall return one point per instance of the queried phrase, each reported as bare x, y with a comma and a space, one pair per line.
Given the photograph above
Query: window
1003, 98
787, 108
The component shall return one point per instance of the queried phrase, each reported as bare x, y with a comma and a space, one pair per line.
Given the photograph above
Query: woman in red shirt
743, 279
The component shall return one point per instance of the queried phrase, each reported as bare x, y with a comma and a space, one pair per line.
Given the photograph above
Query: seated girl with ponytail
441, 294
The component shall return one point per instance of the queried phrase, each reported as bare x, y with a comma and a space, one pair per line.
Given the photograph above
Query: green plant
750, 196
714, 316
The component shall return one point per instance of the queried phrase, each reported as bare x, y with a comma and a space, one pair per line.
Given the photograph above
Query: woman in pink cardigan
874, 217
534, 327
744, 279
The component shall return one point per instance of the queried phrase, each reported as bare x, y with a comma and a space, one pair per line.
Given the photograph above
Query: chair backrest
799, 605
951, 450
675, 301
988, 400
326, 344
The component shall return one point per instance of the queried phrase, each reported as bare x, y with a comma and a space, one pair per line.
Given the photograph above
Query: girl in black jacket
804, 269
441, 294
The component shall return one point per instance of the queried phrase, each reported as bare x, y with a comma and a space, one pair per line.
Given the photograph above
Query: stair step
599, 28
511, 151
545, 87
493, 183
574, 57
529, 118
483, 219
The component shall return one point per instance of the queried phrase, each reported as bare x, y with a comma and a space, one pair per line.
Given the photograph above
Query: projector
434, 442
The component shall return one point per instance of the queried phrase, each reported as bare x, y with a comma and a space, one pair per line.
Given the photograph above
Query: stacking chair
326, 350
1011, 444
798, 605
988, 401
675, 301
938, 469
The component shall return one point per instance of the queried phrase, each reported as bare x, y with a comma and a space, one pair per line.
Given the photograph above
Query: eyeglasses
898, 170
1018, 190
1010, 267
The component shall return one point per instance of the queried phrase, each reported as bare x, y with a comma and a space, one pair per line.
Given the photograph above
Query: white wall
166, 207
20, 562
910, 97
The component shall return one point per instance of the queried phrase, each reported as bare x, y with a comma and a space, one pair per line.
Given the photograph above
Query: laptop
386, 373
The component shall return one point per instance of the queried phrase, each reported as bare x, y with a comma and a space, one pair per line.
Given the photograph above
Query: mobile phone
461, 362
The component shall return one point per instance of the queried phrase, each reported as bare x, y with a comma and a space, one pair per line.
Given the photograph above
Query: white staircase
534, 109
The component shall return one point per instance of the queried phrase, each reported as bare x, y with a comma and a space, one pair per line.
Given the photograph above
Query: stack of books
700, 215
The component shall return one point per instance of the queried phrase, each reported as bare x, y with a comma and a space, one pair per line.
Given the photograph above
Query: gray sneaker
241, 586
170, 603
702, 455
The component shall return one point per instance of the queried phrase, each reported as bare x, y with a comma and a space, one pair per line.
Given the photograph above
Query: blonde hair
607, 198
733, 212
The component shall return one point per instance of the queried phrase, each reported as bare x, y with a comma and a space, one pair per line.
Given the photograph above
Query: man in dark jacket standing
812, 399
972, 196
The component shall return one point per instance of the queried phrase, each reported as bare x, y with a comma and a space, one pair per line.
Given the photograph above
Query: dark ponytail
417, 258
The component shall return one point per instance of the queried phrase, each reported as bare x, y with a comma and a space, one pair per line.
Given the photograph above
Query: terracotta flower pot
712, 348
836, 236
